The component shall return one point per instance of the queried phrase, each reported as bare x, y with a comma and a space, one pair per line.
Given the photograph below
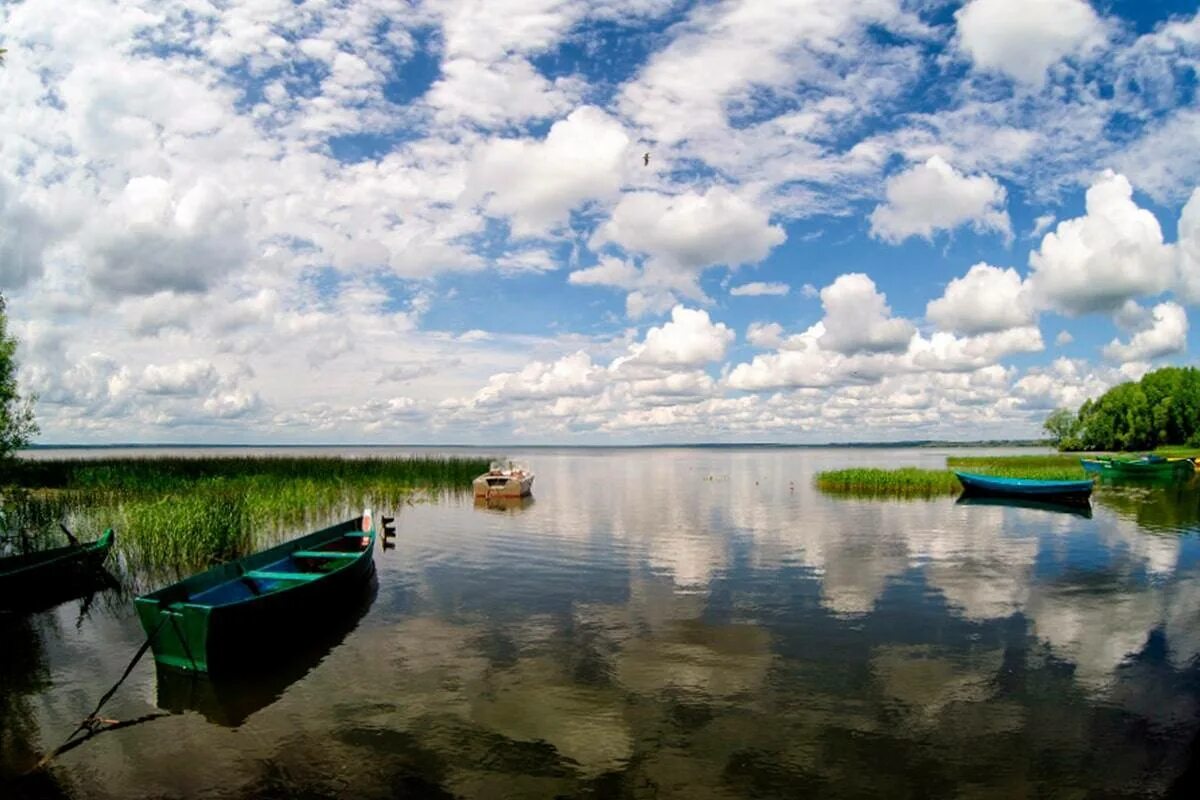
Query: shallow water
686, 623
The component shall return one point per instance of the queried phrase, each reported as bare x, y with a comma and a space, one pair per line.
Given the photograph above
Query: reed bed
902, 482
1051, 467
177, 515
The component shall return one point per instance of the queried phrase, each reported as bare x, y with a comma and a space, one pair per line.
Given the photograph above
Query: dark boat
227, 618
229, 699
24, 579
1062, 491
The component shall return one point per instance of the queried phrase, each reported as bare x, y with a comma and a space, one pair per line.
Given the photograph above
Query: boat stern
178, 633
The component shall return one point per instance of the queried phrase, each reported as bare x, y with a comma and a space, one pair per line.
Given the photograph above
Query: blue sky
427, 222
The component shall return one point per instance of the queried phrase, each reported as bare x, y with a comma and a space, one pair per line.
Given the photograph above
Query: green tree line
1162, 408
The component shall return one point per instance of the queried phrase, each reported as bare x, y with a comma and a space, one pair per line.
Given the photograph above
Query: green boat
24, 579
1149, 466
225, 620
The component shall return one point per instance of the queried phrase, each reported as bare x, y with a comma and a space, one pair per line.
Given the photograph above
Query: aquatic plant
175, 515
1051, 467
902, 482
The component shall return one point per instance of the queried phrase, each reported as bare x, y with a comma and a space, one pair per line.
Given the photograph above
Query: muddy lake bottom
673, 623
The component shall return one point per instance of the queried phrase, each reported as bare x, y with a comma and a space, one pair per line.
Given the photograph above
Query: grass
902, 482
1051, 467
174, 516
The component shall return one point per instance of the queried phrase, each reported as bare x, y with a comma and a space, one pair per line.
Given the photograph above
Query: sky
275, 221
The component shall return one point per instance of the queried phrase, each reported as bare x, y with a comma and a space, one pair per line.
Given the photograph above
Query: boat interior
298, 567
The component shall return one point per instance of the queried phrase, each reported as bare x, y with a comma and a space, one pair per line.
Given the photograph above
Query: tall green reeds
177, 515
903, 482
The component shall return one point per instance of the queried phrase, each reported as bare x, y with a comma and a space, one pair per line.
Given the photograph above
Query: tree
1063, 428
17, 425
1162, 408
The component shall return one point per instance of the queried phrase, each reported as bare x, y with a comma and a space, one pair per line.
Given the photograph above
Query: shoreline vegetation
917, 482
175, 515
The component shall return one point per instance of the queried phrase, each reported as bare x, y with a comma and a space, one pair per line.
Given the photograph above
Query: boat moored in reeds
25, 578
222, 619
1061, 491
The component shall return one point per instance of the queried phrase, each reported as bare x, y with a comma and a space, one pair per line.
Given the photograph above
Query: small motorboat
227, 617
24, 578
1062, 491
504, 481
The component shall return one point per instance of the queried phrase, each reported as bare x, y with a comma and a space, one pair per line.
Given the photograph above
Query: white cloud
765, 334
1063, 338
493, 94
985, 300
609, 272
1024, 38
935, 196
858, 319
153, 239
1165, 334
193, 377
572, 375
689, 339
537, 184
681, 236
1189, 250
759, 289
1041, 225
689, 232
1098, 261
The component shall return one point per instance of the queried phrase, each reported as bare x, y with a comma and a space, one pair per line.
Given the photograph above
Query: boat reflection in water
229, 699
508, 504
1075, 509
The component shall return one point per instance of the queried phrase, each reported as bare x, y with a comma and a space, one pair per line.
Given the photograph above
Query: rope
93, 723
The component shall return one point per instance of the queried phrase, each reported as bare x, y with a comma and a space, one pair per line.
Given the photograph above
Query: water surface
687, 623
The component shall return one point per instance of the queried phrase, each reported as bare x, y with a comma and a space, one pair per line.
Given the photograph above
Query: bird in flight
646, 160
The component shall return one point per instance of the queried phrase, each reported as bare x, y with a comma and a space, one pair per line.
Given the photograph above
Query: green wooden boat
225, 619
25, 578
1149, 466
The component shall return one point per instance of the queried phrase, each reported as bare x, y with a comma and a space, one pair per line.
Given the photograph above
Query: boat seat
265, 575
324, 554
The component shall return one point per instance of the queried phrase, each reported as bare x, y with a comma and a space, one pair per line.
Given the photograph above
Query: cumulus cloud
1165, 333
154, 238
681, 235
689, 339
759, 289
493, 94
1024, 38
985, 300
1189, 250
1063, 338
935, 196
536, 184
858, 318
1096, 262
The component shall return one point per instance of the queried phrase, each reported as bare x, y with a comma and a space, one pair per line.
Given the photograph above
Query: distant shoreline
931, 443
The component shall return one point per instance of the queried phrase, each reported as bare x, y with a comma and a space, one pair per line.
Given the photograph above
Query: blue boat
1064, 491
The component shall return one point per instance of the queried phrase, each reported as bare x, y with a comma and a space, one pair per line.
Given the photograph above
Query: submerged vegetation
182, 514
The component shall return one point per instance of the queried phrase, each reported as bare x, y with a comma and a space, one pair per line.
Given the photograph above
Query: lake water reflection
684, 623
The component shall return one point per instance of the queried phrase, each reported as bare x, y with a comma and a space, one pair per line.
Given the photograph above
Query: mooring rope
93, 723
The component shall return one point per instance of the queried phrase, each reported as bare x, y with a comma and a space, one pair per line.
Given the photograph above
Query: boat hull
1157, 469
26, 580
1061, 491
226, 619
489, 486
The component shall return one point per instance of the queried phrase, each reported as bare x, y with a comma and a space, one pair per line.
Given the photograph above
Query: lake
676, 623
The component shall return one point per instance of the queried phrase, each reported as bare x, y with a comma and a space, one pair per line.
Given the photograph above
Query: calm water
679, 623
